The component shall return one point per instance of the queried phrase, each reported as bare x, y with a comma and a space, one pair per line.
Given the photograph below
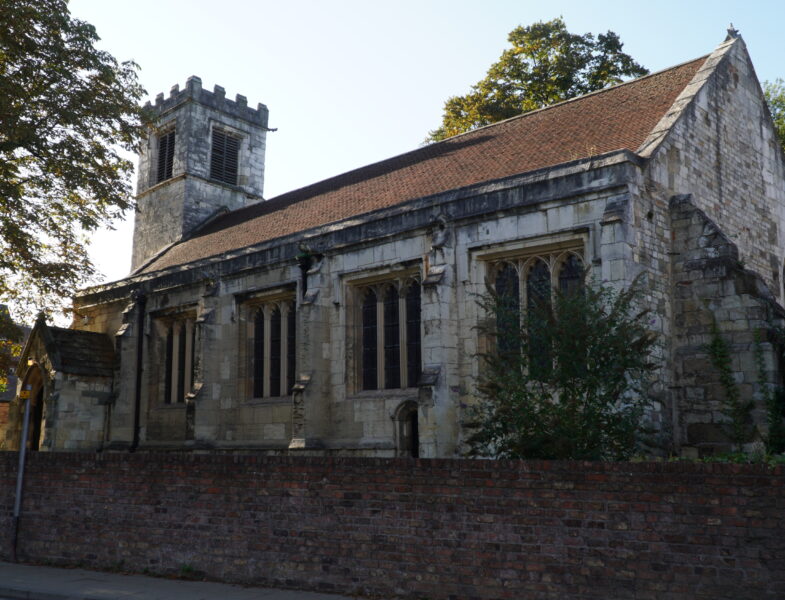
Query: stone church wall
713, 291
723, 150
448, 243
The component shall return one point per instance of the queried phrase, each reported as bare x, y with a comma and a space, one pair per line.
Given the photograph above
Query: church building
340, 318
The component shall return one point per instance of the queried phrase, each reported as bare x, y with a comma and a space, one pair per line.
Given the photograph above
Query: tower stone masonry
204, 156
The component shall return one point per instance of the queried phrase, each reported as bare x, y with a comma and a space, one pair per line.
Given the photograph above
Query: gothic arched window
525, 288
274, 349
538, 296
392, 339
508, 315
413, 351
258, 354
370, 335
390, 335
179, 358
571, 275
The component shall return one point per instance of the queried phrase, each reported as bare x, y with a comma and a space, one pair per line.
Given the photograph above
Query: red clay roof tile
619, 117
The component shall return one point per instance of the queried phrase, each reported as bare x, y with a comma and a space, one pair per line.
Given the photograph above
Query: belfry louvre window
165, 156
531, 281
179, 360
389, 335
224, 157
274, 345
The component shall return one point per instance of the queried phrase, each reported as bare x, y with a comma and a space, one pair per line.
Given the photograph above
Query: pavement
32, 582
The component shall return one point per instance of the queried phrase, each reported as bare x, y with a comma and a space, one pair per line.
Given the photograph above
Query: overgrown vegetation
566, 380
774, 400
734, 408
775, 98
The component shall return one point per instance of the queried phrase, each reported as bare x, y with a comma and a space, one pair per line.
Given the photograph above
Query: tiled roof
616, 118
82, 352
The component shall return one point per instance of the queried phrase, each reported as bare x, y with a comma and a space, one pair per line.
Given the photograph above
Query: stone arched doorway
407, 431
33, 387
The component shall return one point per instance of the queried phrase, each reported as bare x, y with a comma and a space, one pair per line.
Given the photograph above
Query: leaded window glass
390, 335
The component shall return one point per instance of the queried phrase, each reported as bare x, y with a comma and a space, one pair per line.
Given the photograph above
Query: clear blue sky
350, 82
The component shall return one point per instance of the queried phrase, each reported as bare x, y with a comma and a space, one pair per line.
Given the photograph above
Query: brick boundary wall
426, 529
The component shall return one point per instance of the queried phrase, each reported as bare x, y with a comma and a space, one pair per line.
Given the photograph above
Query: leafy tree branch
66, 111
545, 64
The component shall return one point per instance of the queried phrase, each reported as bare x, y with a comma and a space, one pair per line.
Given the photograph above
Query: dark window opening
179, 359
369, 341
291, 348
413, 351
258, 354
275, 352
508, 315
571, 275
408, 430
390, 326
165, 156
181, 363
538, 293
392, 340
224, 157
36, 421
168, 362
414, 435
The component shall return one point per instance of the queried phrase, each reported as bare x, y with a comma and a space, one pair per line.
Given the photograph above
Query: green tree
10, 338
775, 97
67, 110
585, 401
546, 64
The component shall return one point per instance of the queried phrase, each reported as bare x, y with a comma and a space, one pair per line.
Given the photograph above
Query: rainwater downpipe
20, 477
140, 307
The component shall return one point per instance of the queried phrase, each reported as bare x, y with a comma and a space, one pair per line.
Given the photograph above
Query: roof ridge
663, 127
473, 131
576, 98
494, 151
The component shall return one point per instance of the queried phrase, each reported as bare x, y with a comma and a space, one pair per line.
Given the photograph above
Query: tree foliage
66, 111
566, 381
10, 347
775, 97
546, 64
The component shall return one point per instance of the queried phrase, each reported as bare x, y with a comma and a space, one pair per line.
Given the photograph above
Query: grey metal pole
20, 476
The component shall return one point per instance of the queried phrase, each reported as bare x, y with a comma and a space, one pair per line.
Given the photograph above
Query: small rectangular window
224, 157
165, 156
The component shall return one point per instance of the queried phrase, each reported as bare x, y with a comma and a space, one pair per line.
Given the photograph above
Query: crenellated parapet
216, 100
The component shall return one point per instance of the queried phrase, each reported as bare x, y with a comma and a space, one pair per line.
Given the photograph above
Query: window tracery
389, 334
531, 282
273, 343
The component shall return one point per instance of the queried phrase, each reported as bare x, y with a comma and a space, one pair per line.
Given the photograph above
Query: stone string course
437, 529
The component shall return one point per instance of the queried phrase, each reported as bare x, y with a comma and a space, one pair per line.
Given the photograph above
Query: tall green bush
566, 380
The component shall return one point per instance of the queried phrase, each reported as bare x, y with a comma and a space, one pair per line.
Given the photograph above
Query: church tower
204, 154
